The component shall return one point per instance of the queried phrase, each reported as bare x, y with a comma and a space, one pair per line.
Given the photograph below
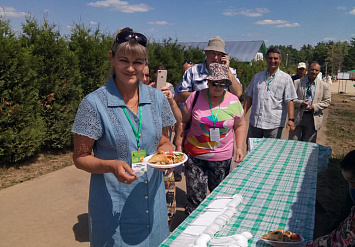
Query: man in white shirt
270, 96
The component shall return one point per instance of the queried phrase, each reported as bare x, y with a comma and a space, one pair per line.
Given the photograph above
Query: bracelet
291, 119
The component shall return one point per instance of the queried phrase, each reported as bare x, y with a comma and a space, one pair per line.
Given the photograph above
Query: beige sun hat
216, 43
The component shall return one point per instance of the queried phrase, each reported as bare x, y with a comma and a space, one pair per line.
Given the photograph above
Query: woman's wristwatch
291, 119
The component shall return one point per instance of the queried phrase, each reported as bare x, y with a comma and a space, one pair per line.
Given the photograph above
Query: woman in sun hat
217, 118
120, 122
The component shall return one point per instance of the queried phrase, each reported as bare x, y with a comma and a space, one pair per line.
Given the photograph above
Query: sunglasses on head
187, 61
216, 84
127, 36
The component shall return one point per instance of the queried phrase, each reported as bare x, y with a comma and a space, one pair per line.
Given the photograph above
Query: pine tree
21, 125
91, 48
58, 81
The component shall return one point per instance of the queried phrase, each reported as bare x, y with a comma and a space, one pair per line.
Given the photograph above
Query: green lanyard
137, 134
270, 80
214, 118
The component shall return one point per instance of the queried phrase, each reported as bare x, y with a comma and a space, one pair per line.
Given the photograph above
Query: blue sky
276, 22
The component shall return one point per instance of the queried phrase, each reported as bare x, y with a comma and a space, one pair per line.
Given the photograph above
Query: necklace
133, 106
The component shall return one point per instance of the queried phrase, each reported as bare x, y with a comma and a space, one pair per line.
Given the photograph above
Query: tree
58, 81
306, 54
349, 59
335, 55
21, 125
290, 57
91, 47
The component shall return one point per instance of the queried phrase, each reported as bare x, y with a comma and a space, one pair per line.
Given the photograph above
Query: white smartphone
161, 79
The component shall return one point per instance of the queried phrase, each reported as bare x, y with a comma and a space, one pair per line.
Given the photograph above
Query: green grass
343, 131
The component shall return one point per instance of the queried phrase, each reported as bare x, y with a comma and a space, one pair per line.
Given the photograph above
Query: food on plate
166, 158
276, 235
281, 235
291, 237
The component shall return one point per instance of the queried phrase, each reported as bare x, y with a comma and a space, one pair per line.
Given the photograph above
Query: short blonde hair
129, 47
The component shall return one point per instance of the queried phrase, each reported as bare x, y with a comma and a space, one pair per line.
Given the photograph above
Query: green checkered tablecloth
278, 181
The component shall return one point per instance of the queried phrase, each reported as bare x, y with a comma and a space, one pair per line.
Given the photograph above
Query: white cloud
11, 12
230, 12
341, 8
289, 25
352, 12
160, 23
251, 13
271, 22
92, 22
329, 38
257, 12
121, 6
278, 23
251, 34
70, 27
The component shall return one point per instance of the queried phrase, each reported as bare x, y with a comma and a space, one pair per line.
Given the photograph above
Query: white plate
145, 160
281, 243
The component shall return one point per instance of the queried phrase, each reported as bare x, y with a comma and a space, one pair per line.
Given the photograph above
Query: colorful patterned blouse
343, 236
198, 143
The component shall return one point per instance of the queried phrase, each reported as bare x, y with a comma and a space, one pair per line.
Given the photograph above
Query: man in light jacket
313, 97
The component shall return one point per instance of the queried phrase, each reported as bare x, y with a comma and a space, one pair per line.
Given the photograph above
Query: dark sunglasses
126, 36
216, 84
187, 61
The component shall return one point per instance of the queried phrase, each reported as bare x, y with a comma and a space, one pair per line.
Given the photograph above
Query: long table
278, 181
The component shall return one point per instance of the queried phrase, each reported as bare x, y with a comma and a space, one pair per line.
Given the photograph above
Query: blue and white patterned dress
125, 214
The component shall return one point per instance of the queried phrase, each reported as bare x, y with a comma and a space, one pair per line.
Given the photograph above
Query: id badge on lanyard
137, 156
267, 94
138, 166
214, 134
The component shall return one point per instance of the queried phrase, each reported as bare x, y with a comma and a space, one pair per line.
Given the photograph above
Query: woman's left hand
239, 155
166, 91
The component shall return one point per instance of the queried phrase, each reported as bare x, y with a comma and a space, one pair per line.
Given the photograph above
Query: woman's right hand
122, 171
83, 159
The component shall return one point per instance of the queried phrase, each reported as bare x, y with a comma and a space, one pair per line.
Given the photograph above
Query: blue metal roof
244, 51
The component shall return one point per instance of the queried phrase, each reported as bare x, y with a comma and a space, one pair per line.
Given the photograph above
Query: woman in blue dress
114, 125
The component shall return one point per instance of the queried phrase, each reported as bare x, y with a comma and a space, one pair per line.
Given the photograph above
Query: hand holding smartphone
161, 79
225, 60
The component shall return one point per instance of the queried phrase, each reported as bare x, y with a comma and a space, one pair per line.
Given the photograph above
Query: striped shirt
194, 78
